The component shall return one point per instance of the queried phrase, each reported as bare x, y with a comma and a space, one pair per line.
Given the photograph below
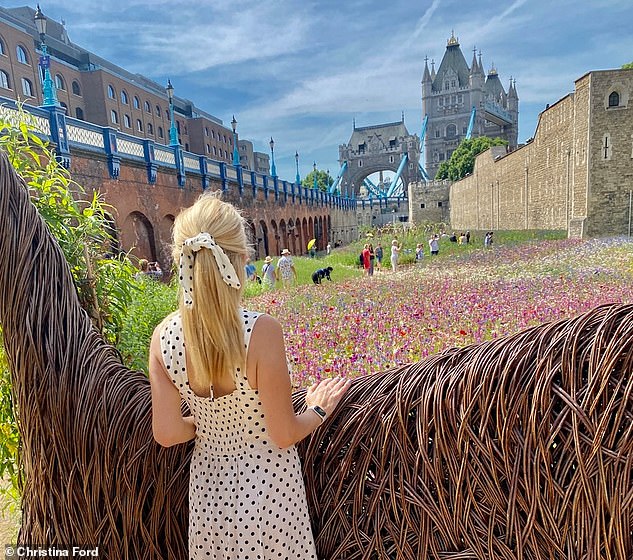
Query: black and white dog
322, 273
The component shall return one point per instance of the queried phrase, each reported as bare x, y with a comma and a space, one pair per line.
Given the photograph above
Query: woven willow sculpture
518, 448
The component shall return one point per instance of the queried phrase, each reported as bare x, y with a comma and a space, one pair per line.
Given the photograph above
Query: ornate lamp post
173, 132
298, 177
48, 86
236, 155
273, 169
315, 186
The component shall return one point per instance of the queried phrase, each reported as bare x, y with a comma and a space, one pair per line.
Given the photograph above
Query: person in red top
366, 259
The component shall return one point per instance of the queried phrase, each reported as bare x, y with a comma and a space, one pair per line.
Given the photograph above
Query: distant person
328, 248
419, 253
366, 259
462, 239
143, 269
453, 238
269, 272
286, 271
372, 259
434, 244
467, 237
395, 253
251, 271
379, 255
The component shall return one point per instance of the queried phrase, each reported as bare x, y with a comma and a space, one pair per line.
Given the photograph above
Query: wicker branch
518, 448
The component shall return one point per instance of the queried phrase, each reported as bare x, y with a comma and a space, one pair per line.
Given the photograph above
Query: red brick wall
144, 213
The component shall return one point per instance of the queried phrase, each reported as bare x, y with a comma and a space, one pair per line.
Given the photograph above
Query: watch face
319, 411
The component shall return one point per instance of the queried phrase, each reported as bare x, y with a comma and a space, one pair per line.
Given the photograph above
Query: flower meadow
365, 325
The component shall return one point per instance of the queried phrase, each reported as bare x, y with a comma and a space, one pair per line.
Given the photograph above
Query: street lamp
48, 86
236, 155
273, 169
173, 132
315, 186
298, 177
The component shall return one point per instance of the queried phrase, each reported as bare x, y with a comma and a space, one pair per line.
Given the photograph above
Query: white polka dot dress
247, 498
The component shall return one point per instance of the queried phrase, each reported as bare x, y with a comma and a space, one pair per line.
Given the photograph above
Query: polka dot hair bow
192, 246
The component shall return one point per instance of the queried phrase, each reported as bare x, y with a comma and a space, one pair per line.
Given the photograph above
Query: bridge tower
378, 148
449, 96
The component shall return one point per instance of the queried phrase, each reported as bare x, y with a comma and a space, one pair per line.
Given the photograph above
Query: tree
324, 180
627, 66
462, 160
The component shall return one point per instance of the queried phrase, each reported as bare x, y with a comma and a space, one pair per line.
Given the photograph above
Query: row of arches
150, 241
270, 238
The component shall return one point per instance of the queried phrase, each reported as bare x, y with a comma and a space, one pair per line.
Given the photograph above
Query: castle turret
427, 81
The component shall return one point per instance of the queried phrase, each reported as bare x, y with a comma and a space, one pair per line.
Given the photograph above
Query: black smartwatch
320, 412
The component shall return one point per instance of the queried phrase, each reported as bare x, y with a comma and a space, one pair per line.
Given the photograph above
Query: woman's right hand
327, 393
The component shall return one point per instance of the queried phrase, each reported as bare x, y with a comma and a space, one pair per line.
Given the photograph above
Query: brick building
93, 89
575, 175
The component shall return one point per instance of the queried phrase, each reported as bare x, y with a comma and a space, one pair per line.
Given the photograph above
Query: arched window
22, 56
27, 87
79, 113
139, 125
64, 106
150, 129
148, 107
114, 117
4, 80
59, 82
124, 98
137, 103
126, 121
76, 88
208, 149
451, 130
160, 132
614, 99
111, 92
186, 147
2, 50
157, 111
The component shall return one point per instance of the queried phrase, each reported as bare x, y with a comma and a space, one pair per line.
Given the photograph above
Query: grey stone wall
429, 202
561, 179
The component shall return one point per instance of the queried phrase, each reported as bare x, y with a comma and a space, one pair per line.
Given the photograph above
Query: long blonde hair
212, 327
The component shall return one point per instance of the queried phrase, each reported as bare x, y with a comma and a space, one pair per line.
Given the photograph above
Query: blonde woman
246, 492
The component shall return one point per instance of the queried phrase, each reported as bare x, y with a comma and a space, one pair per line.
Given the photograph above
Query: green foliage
324, 180
153, 301
462, 160
9, 440
627, 66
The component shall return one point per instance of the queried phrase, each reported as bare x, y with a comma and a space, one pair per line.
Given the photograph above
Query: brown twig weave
518, 448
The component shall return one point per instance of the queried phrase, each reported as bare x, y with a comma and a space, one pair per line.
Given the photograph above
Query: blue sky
301, 71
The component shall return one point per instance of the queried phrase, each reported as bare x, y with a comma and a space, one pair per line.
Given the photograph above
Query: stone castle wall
429, 202
562, 178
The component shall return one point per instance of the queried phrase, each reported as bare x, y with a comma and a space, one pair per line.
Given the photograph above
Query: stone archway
137, 233
379, 148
